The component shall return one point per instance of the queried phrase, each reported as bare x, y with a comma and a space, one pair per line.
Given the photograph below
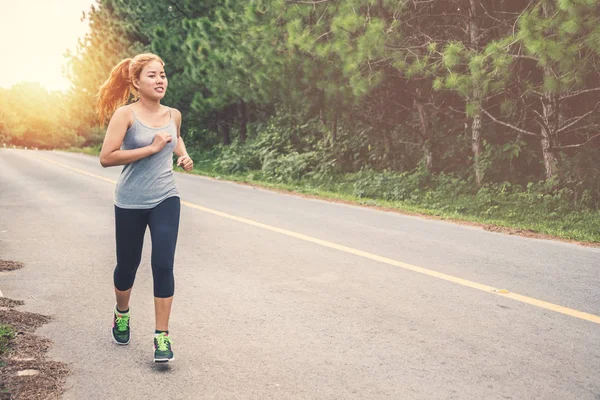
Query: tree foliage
487, 91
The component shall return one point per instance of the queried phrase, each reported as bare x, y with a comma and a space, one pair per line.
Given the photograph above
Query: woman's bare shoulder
124, 114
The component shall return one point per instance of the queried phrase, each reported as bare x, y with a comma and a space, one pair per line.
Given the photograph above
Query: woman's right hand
160, 141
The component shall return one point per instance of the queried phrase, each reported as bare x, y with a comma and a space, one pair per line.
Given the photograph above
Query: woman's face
152, 83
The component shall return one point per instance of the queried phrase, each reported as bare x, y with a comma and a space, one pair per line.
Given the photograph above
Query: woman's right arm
111, 154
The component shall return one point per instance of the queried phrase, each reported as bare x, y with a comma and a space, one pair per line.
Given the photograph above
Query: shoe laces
122, 321
163, 342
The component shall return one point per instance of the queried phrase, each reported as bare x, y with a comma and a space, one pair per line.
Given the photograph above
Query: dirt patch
26, 356
10, 303
46, 384
22, 321
6, 265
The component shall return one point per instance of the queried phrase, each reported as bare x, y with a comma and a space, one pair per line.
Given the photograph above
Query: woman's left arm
184, 161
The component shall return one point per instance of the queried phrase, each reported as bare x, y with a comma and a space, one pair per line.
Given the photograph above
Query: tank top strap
133, 113
134, 118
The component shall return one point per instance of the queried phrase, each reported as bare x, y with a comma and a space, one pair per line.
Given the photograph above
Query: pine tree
558, 43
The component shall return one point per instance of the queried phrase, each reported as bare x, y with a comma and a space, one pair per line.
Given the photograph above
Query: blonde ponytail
115, 91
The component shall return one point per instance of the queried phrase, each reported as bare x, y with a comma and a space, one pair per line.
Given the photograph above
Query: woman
142, 136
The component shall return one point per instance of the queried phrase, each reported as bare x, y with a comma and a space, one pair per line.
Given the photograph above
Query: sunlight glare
35, 36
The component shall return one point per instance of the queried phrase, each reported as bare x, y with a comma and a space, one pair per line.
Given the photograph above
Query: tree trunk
550, 119
550, 162
334, 128
426, 135
322, 108
476, 98
213, 124
243, 115
387, 143
225, 132
548, 133
476, 146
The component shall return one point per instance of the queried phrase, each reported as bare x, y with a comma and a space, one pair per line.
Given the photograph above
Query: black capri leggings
130, 225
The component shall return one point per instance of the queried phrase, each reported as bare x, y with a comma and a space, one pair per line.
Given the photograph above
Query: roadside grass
522, 212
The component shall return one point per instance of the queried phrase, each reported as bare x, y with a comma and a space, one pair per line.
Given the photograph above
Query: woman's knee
124, 276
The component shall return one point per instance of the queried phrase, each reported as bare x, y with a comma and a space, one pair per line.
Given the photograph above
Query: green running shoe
162, 348
120, 328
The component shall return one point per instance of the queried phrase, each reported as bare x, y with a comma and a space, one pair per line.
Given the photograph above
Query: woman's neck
151, 106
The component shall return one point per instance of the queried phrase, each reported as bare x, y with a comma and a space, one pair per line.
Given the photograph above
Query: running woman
143, 136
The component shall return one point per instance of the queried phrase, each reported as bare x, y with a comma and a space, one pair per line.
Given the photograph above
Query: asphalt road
283, 297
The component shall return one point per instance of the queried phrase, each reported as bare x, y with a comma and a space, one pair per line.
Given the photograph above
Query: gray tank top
145, 183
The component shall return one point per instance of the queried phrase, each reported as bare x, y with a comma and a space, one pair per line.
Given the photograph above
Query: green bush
237, 158
290, 167
7, 334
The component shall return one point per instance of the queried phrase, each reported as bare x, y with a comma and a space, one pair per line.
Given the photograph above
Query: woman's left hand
186, 163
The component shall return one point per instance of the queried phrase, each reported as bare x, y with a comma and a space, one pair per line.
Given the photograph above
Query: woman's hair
117, 89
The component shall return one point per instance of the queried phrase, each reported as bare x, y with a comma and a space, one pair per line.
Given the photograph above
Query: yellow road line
435, 274
79, 170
